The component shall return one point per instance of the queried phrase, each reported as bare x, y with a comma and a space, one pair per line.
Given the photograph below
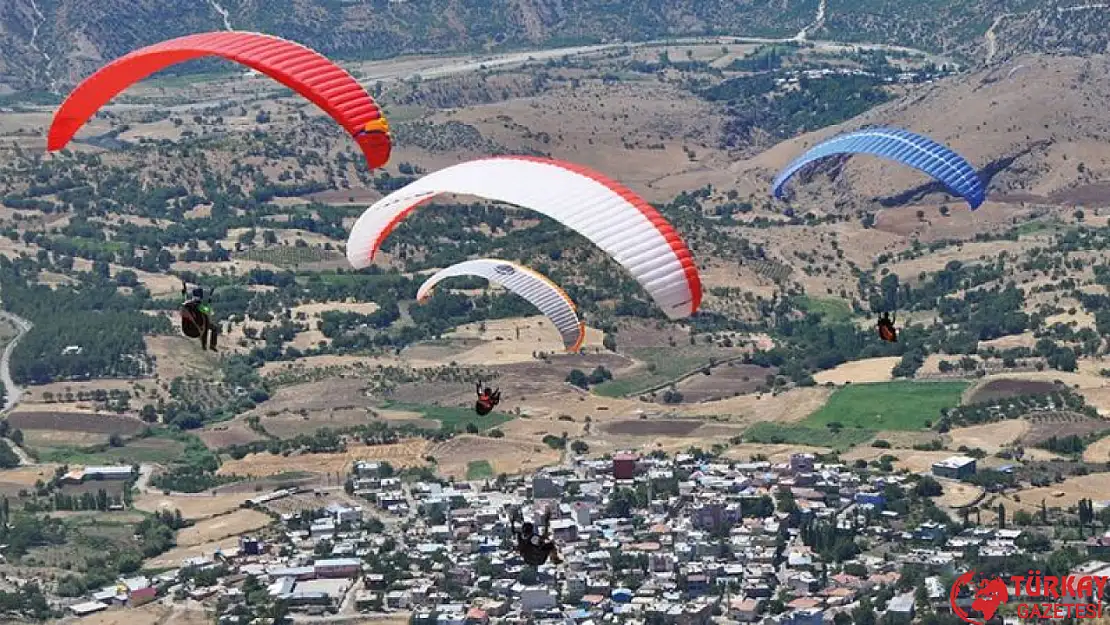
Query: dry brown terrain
188, 613
14, 480
505, 455
774, 453
174, 557
76, 422
216, 528
1062, 495
990, 437
400, 455
192, 507
958, 494
859, 371
225, 434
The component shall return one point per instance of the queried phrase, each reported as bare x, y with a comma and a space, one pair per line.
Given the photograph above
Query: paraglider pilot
487, 399
887, 332
535, 548
196, 317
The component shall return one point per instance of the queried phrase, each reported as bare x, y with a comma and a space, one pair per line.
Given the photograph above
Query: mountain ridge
51, 44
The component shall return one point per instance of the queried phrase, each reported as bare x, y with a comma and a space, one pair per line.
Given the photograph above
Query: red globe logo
990, 594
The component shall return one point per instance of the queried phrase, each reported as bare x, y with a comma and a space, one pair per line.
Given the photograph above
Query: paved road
14, 393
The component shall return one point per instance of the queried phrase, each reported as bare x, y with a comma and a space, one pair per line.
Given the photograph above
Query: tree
579, 447
928, 487
1001, 516
609, 342
578, 378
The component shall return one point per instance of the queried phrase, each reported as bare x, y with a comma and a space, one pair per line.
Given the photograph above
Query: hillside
47, 44
225, 180
1033, 125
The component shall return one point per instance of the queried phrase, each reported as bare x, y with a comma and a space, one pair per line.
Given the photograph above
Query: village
679, 540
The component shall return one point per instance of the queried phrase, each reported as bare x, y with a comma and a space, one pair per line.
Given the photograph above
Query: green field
479, 470
151, 449
453, 417
899, 405
832, 310
778, 434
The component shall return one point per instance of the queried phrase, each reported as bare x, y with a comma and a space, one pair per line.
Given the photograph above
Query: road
145, 471
463, 65
14, 393
24, 458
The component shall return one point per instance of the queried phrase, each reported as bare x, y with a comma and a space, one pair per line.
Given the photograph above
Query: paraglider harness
534, 548
887, 331
487, 399
196, 318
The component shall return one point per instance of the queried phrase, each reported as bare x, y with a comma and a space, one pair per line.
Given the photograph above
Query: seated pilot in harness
535, 548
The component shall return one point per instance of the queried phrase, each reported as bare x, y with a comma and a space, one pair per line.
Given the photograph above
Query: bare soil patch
958, 494
19, 478
990, 437
992, 390
774, 453
290, 425
310, 397
38, 439
728, 380
1062, 495
311, 501
155, 613
223, 435
231, 524
505, 455
859, 371
653, 427
406, 454
910, 459
177, 356
191, 506
174, 557
1098, 451
1060, 425
76, 422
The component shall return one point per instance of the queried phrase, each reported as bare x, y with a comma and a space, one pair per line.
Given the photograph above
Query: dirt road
14, 393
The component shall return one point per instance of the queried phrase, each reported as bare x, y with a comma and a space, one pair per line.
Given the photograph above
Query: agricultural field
409, 453
992, 390
175, 556
1045, 425
227, 433
479, 470
797, 434
153, 449
727, 380
452, 417
660, 365
888, 406
1062, 495
66, 421
192, 507
311, 501
504, 455
868, 370
155, 613
219, 527
990, 437
654, 427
